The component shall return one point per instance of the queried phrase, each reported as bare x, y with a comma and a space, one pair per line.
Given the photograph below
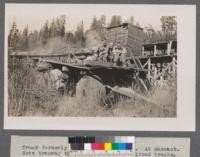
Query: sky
35, 15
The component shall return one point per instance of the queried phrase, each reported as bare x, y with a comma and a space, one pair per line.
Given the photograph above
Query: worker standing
123, 56
119, 55
102, 51
110, 52
60, 79
65, 79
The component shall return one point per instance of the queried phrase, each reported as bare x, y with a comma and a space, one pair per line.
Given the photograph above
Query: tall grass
164, 98
27, 89
31, 93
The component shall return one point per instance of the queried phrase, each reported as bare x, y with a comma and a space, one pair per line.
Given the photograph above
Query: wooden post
155, 50
169, 45
169, 69
173, 65
145, 64
162, 73
143, 50
155, 71
149, 68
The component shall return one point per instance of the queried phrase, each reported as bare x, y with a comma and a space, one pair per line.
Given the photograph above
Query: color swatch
106, 143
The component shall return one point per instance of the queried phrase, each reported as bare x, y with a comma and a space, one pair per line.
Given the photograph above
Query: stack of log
130, 36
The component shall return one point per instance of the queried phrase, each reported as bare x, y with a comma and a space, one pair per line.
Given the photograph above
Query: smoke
93, 39
56, 45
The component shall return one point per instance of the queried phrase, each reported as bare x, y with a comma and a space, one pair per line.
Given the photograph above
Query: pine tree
60, 26
131, 20
34, 41
102, 21
95, 24
102, 25
168, 24
149, 33
69, 37
79, 34
52, 29
24, 40
115, 20
169, 27
13, 37
45, 33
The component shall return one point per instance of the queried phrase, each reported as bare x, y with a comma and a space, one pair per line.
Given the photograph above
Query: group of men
110, 53
105, 52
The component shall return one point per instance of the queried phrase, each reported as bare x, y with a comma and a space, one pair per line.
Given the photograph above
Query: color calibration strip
117, 143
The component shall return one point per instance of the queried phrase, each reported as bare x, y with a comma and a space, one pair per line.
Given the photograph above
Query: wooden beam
144, 86
173, 65
143, 66
155, 72
149, 68
131, 94
154, 50
163, 71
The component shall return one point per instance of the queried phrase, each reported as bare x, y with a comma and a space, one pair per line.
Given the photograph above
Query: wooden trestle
159, 67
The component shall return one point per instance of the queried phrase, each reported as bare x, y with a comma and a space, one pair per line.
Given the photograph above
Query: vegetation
26, 40
169, 30
31, 93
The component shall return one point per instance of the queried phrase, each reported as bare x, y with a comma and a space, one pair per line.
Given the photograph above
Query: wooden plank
100, 66
48, 55
143, 66
98, 63
144, 86
149, 68
66, 64
135, 62
131, 94
158, 59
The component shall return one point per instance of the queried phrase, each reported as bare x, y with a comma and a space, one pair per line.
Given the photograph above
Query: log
131, 94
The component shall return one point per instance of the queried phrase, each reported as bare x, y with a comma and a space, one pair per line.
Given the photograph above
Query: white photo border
186, 85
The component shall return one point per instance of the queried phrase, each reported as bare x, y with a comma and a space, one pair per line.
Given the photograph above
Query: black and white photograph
78, 60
